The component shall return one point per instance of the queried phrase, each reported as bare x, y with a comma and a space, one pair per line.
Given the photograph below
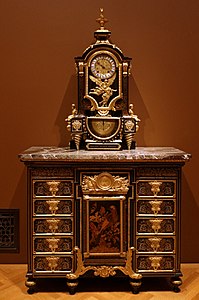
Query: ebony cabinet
103, 213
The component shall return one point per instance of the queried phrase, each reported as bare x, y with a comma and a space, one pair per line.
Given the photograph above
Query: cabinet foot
31, 285
72, 286
176, 282
135, 286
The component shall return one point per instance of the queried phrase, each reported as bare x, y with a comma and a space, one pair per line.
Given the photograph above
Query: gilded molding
105, 182
104, 271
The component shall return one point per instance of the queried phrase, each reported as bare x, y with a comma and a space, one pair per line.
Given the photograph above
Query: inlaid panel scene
104, 227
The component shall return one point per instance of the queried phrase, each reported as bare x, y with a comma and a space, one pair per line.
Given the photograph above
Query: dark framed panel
9, 230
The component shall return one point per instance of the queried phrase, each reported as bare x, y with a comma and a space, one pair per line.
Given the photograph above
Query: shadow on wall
65, 110
190, 229
71, 96
19, 200
139, 109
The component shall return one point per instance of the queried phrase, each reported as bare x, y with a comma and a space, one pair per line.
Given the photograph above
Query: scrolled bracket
104, 271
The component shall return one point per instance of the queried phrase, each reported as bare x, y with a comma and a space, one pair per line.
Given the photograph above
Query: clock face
103, 128
103, 66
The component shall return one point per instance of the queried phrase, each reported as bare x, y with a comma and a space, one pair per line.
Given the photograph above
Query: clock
104, 119
103, 66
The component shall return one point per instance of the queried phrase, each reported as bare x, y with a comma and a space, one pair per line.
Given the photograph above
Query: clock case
103, 120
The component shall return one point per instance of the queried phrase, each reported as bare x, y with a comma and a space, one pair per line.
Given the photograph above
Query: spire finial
101, 20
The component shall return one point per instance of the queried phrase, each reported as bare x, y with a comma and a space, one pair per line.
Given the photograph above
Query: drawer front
155, 244
156, 207
54, 188
52, 244
52, 207
156, 226
52, 264
156, 188
156, 263
53, 226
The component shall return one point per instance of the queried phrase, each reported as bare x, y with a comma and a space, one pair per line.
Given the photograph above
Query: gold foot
31, 286
135, 285
176, 282
72, 285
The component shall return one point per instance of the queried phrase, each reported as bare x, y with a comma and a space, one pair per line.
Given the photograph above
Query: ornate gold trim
53, 187
53, 205
53, 225
101, 20
103, 110
52, 262
129, 139
156, 224
104, 271
155, 187
53, 244
155, 262
104, 182
155, 206
155, 243
77, 138
30, 283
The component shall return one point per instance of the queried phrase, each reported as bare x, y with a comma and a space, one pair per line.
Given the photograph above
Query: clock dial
103, 66
103, 128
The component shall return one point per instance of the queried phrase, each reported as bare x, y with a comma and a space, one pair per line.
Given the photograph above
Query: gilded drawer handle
155, 187
155, 206
155, 262
156, 224
52, 262
53, 187
53, 244
53, 225
53, 206
155, 243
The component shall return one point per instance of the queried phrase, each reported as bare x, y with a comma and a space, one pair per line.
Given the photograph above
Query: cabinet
103, 213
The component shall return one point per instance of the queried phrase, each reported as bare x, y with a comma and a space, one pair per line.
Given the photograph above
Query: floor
12, 287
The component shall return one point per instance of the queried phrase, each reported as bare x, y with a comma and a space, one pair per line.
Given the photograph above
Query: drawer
53, 226
53, 188
155, 244
156, 188
52, 264
156, 207
155, 263
52, 244
56, 206
156, 226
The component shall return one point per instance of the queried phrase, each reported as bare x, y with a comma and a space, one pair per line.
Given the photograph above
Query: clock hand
101, 65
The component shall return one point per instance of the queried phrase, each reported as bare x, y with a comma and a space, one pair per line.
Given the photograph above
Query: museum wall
38, 43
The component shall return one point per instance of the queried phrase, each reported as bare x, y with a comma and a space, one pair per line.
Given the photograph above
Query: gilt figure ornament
103, 119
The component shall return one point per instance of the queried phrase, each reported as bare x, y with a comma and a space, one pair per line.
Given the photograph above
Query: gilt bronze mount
103, 119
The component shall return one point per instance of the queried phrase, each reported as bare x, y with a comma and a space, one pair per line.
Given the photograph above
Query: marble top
139, 154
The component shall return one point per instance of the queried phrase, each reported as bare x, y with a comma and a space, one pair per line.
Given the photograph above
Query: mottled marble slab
139, 154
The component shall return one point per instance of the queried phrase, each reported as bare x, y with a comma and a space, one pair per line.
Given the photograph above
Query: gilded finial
101, 20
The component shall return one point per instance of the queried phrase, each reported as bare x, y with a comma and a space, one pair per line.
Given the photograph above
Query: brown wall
38, 43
